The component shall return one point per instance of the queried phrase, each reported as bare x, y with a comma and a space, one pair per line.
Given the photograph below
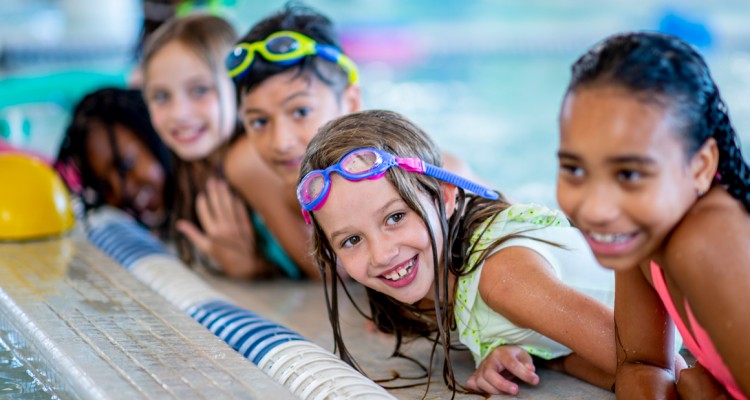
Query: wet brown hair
397, 135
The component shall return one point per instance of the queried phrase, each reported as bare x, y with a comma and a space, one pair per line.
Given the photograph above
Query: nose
599, 205
283, 138
180, 108
383, 250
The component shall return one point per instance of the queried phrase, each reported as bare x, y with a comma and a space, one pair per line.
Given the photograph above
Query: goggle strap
411, 164
306, 215
463, 183
329, 53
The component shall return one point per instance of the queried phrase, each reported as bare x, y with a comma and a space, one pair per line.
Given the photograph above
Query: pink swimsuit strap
698, 342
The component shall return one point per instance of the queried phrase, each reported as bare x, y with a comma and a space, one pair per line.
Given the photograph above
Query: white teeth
608, 237
398, 274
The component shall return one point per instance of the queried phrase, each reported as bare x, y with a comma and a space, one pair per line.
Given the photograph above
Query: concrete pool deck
106, 335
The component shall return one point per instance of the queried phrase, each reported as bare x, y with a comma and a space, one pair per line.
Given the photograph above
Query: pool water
499, 112
18, 378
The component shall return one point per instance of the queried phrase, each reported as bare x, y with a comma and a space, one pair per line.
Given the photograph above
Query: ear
351, 99
704, 164
450, 192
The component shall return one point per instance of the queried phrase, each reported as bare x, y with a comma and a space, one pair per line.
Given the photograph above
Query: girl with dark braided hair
652, 174
111, 154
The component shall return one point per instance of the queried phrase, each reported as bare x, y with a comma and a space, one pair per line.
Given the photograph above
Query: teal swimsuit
273, 251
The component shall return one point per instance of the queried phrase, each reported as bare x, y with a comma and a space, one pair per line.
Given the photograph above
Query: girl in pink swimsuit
651, 173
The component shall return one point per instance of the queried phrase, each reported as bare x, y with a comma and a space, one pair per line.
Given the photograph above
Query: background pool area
485, 78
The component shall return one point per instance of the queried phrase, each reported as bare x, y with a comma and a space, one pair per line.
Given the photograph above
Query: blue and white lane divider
306, 369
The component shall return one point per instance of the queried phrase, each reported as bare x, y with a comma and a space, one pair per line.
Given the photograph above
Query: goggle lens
312, 188
236, 58
360, 161
282, 45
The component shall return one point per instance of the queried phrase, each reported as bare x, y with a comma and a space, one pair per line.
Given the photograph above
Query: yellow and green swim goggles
287, 48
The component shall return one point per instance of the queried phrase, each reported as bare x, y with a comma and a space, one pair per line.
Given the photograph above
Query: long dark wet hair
109, 107
397, 135
663, 69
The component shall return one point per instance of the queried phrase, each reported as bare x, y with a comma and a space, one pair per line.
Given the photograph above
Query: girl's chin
616, 263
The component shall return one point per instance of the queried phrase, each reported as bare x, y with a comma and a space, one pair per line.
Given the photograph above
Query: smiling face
284, 112
624, 178
193, 111
136, 182
380, 241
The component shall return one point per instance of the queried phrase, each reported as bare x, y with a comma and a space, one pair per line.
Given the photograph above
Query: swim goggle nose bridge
371, 163
287, 48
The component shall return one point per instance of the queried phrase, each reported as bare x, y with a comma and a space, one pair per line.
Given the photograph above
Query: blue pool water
18, 378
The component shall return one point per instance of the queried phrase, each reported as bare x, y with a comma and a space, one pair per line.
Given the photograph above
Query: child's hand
229, 238
496, 373
697, 383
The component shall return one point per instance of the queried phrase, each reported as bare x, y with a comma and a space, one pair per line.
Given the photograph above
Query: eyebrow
381, 210
626, 159
291, 97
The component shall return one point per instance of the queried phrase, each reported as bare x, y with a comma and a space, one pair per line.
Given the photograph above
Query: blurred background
484, 77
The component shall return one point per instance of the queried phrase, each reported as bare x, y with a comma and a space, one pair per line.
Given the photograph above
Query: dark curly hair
109, 107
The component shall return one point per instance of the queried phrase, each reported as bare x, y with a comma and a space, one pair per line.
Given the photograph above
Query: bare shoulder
513, 271
241, 160
715, 230
249, 175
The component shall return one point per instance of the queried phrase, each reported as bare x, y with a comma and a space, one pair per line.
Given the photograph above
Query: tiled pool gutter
303, 367
93, 331
107, 315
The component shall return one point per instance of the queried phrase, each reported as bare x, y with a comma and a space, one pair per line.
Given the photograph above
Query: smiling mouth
610, 238
400, 272
188, 135
143, 198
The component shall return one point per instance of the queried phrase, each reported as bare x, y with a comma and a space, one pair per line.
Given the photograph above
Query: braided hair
662, 68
